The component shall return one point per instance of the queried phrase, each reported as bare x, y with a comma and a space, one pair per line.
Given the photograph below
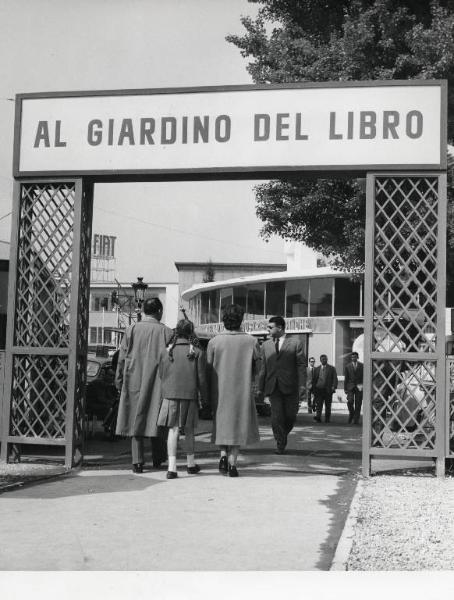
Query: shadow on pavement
338, 506
313, 449
86, 484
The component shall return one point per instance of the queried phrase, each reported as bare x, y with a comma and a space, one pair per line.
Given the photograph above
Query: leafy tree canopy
339, 40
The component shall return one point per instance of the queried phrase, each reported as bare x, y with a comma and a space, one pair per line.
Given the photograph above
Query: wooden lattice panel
48, 317
84, 273
39, 397
82, 316
451, 405
45, 255
404, 404
405, 267
405, 295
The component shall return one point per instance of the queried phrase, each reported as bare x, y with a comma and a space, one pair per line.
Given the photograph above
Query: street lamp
139, 288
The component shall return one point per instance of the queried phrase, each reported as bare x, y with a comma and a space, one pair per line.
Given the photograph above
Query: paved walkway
282, 513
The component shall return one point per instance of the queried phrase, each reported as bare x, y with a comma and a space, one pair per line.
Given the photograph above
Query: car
100, 390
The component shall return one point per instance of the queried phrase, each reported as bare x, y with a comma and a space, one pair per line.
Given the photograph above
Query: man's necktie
276, 345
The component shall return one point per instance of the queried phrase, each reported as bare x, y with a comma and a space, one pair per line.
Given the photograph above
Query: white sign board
384, 125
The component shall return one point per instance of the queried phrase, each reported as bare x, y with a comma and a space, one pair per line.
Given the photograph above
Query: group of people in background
322, 383
162, 373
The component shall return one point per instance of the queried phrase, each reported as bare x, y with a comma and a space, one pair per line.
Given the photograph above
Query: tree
329, 40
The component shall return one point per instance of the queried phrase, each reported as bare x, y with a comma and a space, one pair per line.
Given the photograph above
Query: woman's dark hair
233, 317
184, 329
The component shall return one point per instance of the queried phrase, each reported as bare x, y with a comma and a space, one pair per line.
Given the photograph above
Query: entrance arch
393, 132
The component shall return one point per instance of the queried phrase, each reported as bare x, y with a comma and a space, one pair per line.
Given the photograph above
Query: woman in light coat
231, 360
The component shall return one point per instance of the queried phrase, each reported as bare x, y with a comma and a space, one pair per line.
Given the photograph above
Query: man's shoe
356, 422
233, 471
280, 449
350, 419
137, 468
172, 474
193, 470
223, 465
326, 420
318, 419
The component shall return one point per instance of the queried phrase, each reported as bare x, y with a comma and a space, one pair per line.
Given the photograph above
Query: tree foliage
341, 40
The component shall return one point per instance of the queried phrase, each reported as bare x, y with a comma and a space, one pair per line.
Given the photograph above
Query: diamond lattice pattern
451, 405
44, 265
405, 265
39, 396
404, 404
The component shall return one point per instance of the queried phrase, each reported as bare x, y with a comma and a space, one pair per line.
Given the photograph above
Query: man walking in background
325, 384
282, 379
353, 386
138, 380
309, 385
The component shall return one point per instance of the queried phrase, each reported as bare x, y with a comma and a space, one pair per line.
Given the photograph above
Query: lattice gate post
46, 343
404, 353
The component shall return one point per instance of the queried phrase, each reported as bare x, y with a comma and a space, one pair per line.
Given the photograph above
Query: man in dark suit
353, 385
324, 384
282, 379
309, 385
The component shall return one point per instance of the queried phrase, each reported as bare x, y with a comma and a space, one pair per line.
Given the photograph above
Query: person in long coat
231, 360
137, 379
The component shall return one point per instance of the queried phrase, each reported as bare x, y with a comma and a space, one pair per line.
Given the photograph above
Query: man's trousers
323, 397
284, 408
158, 449
354, 403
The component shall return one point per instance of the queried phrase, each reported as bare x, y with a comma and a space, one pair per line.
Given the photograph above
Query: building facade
323, 307
113, 306
192, 273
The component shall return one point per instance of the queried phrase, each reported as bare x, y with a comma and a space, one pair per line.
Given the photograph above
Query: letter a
42, 133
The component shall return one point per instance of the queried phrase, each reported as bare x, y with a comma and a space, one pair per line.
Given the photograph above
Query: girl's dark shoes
223, 465
137, 468
193, 470
233, 471
172, 474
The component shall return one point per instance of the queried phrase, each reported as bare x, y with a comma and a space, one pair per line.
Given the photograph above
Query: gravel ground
14, 474
404, 523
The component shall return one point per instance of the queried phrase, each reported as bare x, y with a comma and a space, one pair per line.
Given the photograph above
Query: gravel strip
20, 473
404, 524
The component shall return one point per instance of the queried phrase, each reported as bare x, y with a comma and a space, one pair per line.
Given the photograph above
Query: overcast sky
58, 45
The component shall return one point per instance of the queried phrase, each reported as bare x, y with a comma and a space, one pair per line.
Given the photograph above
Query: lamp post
139, 288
